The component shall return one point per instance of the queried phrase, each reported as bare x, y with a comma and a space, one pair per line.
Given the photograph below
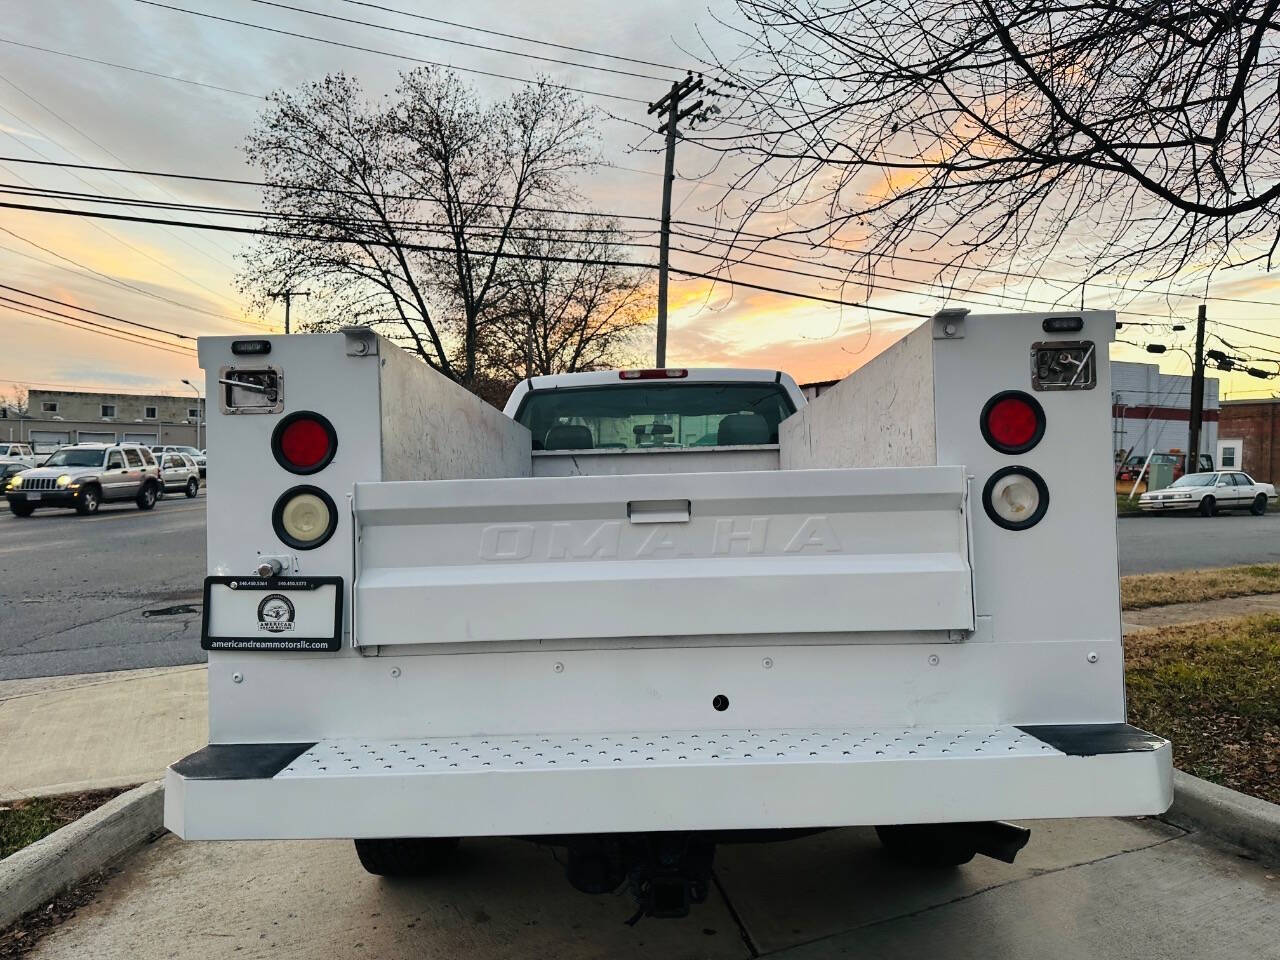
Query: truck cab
642, 612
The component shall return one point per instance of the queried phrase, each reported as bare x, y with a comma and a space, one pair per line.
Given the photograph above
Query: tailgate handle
658, 511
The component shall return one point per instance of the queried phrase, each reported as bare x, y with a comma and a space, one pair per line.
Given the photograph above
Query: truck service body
896, 605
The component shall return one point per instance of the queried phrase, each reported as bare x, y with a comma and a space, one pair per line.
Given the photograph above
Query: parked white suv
192, 452
178, 472
18, 453
84, 475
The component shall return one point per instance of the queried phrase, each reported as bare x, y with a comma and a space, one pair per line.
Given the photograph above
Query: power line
91, 323
114, 156
436, 226
515, 36
93, 274
97, 313
385, 53
103, 230
229, 228
133, 391
460, 43
991, 298
122, 66
691, 224
91, 327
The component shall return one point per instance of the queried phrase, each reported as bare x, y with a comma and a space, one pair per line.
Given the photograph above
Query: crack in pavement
1182, 835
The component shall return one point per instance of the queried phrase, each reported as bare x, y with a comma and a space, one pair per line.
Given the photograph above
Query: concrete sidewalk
1175, 613
64, 734
1123, 889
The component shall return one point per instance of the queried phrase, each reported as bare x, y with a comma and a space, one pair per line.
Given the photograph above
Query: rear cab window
622, 417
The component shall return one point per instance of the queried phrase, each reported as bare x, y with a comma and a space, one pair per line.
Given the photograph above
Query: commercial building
1151, 411
57, 417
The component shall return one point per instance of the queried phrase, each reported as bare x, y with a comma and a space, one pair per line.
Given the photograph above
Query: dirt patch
1213, 688
23, 822
1142, 590
22, 936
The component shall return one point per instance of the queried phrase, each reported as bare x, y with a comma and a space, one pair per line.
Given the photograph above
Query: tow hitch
666, 872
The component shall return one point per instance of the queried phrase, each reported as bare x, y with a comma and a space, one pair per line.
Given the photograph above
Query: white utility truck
645, 612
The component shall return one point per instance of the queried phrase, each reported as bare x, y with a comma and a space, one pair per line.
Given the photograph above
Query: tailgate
681, 555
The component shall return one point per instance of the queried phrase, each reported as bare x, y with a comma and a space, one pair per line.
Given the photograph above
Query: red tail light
304, 442
670, 373
1012, 421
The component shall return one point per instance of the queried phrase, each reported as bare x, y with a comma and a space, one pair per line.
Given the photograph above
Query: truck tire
21, 509
1208, 507
193, 487
88, 501
406, 856
147, 496
925, 845
1259, 505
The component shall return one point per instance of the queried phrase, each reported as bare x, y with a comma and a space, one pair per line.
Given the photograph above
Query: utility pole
287, 296
669, 108
1197, 396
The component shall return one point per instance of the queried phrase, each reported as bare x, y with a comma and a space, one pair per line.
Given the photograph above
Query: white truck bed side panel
433, 429
798, 552
881, 415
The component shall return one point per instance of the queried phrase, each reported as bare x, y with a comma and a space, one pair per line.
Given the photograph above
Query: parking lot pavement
1189, 542
1081, 889
114, 591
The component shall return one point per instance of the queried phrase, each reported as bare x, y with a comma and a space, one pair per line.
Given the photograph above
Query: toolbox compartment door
728, 555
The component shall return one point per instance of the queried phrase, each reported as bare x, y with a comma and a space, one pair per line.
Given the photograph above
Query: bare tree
18, 400
569, 306
1136, 136
400, 214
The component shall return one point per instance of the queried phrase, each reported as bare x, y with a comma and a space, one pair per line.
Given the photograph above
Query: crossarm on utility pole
669, 107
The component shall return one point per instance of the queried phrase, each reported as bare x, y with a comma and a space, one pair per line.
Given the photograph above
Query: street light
199, 410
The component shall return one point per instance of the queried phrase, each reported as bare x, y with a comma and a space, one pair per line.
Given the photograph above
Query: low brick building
1249, 437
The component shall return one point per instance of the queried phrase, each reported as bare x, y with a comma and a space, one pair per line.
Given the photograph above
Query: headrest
568, 436
740, 428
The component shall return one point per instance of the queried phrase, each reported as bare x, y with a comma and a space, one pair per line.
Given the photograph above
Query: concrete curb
36, 873
1226, 814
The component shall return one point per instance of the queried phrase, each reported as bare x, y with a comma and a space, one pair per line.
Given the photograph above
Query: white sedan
1208, 493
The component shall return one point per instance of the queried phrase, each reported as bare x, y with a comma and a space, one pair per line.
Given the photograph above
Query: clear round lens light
1015, 498
305, 517
64, 480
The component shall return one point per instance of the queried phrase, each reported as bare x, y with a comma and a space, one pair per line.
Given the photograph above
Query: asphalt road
113, 591
121, 589
1188, 541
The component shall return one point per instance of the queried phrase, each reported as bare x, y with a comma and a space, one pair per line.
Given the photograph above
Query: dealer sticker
272, 613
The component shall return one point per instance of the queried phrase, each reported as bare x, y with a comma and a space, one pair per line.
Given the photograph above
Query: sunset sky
53, 106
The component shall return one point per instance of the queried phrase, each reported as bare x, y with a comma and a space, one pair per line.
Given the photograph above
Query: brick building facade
1249, 437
